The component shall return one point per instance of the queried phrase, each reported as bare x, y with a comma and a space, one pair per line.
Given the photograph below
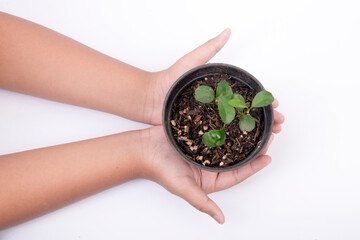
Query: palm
187, 181
176, 170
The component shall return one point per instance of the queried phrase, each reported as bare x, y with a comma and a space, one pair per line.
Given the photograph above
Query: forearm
38, 181
38, 61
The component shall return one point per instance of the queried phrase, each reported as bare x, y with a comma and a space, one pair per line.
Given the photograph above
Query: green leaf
246, 123
227, 112
208, 140
262, 99
204, 94
237, 103
214, 138
224, 90
238, 96
222, 137
215, 135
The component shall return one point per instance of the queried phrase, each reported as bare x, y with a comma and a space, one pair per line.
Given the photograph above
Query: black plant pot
207, 70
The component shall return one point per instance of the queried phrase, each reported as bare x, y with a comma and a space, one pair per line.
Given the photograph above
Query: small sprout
227, 101
261, 99
224, 157
221, 164
214, 138
204, 94
189, 117
173, 123
224, 93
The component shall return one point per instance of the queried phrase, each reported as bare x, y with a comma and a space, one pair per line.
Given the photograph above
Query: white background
305, 52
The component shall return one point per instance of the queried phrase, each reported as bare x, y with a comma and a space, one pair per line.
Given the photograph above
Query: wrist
128, 153
156, 90
143, 167
150, 149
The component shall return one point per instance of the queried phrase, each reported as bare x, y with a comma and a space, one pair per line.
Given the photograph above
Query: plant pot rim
184, 81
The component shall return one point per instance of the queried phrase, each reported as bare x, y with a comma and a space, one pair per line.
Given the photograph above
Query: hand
162, 165
162, 81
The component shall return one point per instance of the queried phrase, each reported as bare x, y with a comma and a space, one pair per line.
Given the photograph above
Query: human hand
162, 165
161, 81
165, 167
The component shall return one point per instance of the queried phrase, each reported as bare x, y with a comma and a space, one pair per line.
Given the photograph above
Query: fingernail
216, 217
227, 29
268, 160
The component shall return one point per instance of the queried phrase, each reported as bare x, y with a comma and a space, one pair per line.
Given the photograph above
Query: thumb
200, 55
199, 199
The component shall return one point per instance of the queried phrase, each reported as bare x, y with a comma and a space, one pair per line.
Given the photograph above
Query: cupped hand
161, 81
162, 165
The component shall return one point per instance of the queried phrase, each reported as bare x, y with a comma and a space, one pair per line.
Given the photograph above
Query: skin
38, 61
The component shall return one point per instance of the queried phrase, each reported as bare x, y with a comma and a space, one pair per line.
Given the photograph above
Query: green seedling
227, 102
224, 93
214, 138
246, 121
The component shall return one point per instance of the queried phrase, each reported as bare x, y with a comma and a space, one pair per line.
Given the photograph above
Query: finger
278, 117
275, 103
202, 54
200, 200
229, 179
277, 128
268, 144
